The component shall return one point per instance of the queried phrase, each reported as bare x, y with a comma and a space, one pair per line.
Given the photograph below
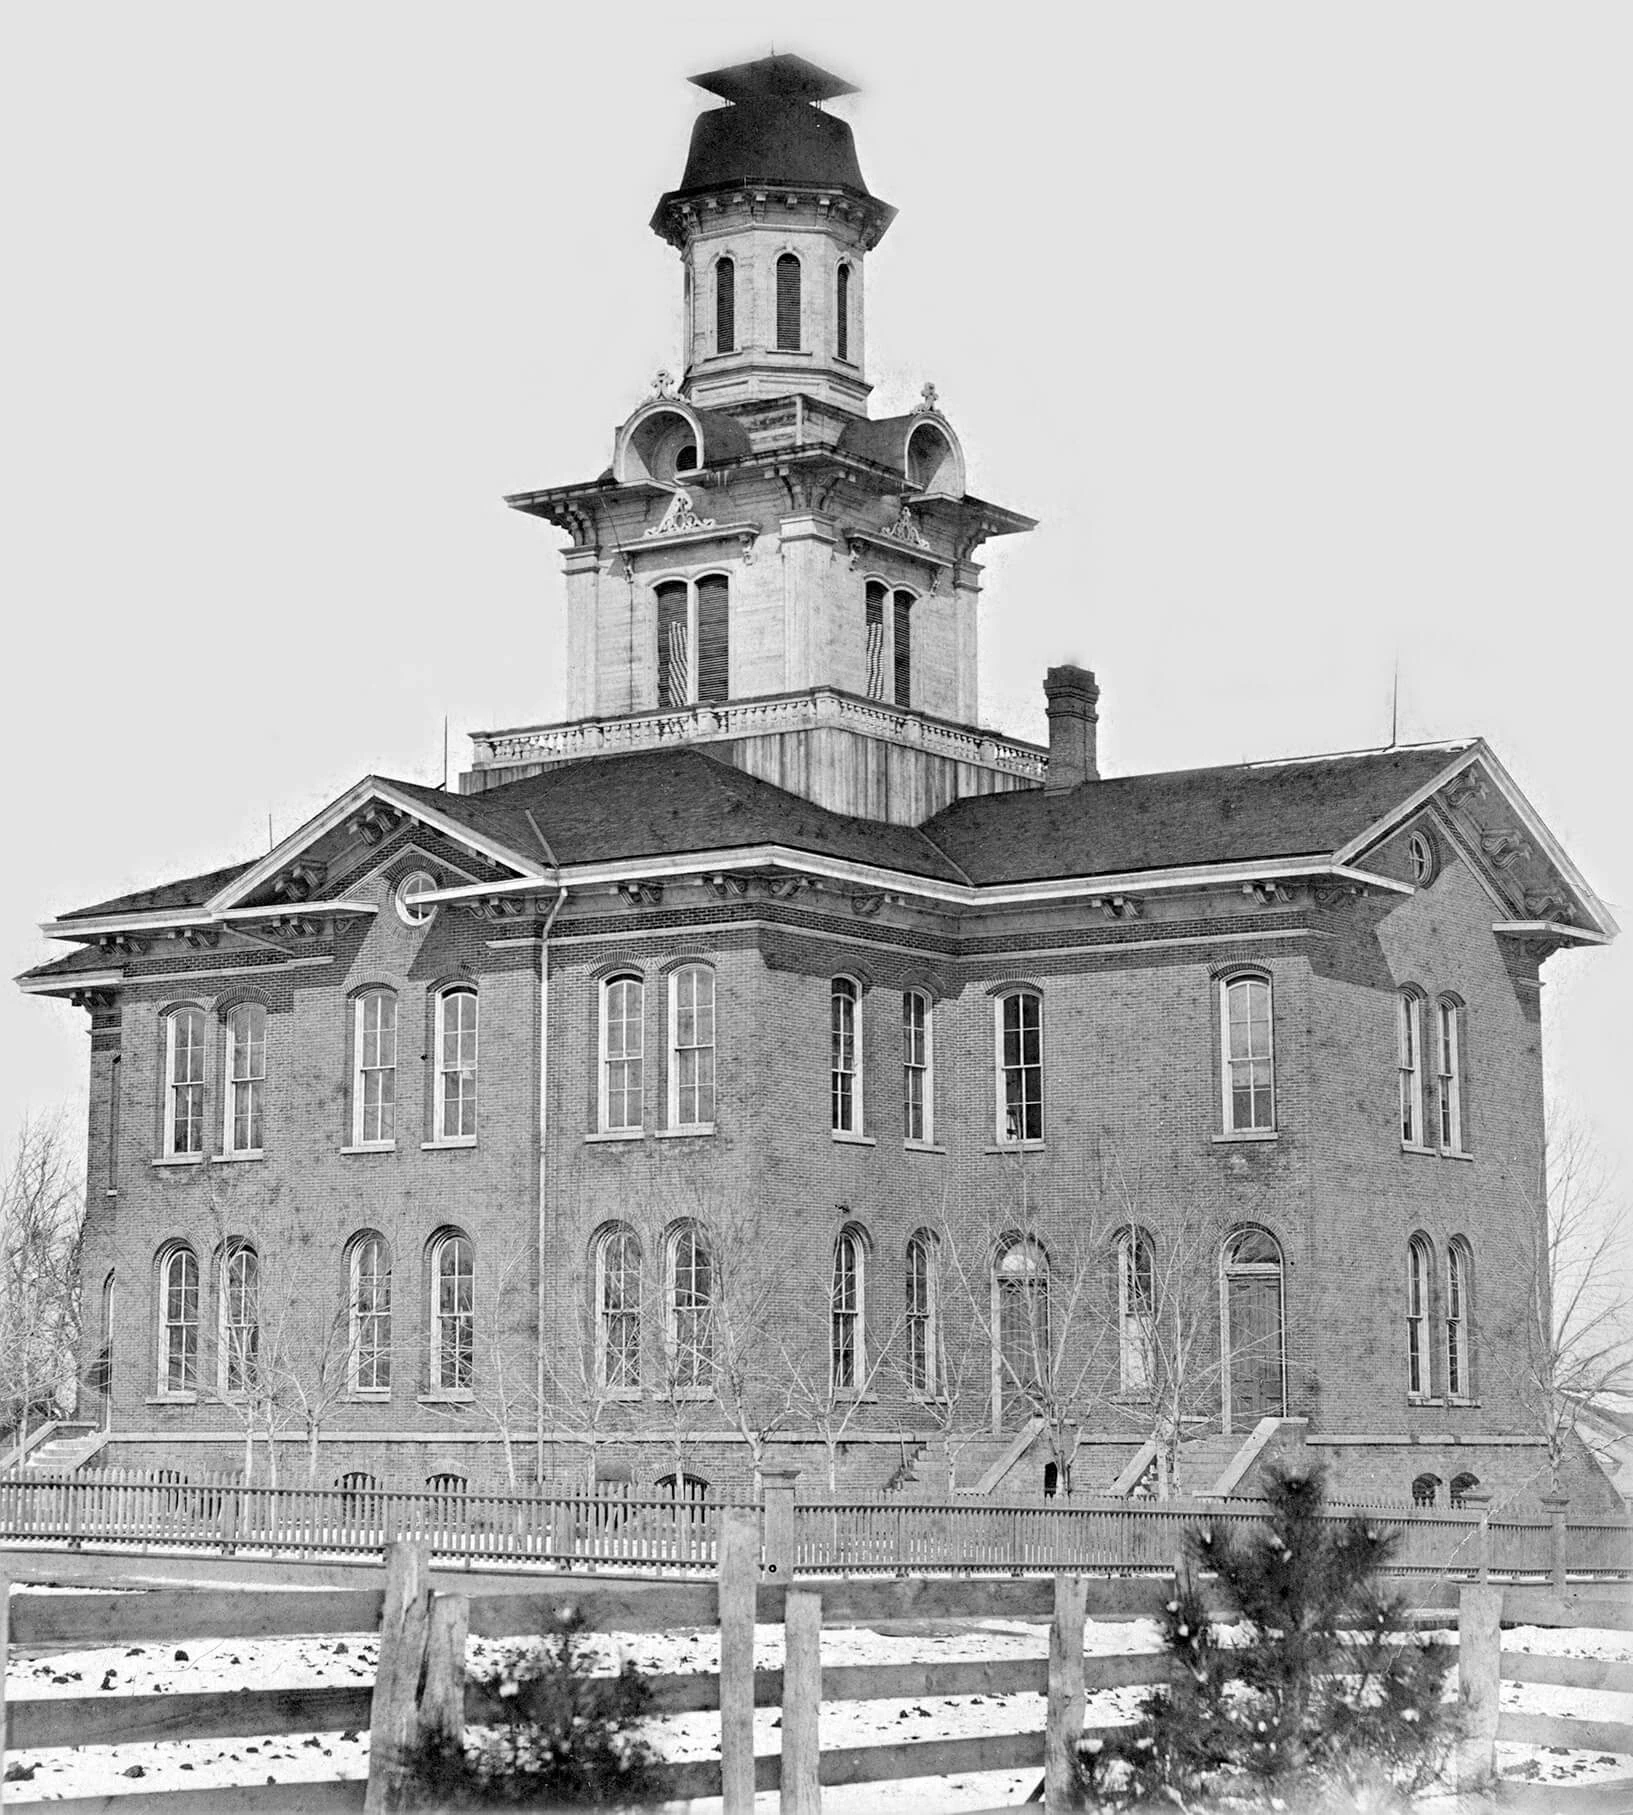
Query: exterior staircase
65, 1451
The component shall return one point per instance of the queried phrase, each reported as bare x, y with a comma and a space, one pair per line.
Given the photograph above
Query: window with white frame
1409, 1041
691, 1047
1248, 1041
456, 1065
1459, 1384
1419, 1268
918, 1069
888, 622
618, 1310
1019, 1031
184, 1039
923, 1313
178, 1320
693, 641
623, 1047
374, 1069
1449, 1073
845, 1056
369, 1301
845, 1358
453, 1313
690, 1311
240, 1318
246, 1078
1136, 1308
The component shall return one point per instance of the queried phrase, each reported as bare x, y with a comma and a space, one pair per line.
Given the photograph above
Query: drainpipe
544, 1154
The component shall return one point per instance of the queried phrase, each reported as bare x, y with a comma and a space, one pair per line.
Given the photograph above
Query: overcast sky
1304, 330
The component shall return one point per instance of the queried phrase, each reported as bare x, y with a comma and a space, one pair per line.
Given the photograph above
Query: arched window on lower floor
847, 1361
689, 1320
1459, 1320
453, 1313
1136, 1308
368, 1299
239, 1333
178, 1320
618, 1309
923, 1313
1022, 1356
1419, 1271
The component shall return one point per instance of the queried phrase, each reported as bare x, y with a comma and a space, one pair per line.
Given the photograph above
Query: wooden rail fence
420, 1683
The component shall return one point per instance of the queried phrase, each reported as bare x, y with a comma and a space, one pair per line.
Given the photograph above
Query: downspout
544, 1139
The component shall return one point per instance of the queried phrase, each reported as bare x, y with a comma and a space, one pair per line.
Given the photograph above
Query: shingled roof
190, 891
1183, 816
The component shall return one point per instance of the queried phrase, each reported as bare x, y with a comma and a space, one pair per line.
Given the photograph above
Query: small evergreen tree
1328, 1700
570, 1739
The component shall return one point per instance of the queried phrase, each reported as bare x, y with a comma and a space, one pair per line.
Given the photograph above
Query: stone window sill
459, 1140
179, 1159
616, 1134
372, 1147
922, 1147
228, 1159
690, 1128
1456, 1153
1015, 1147
1247, 1134
171, 1399
1417, 1147
1461, 1405
853, 1140
369, 1396
448, 1396
687, 1395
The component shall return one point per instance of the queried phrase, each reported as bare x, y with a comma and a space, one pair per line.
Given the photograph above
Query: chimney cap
1068, 679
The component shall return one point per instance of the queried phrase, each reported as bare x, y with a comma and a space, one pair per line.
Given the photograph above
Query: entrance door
1253, 1315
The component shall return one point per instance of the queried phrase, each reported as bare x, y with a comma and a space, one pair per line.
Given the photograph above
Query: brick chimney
1072, 696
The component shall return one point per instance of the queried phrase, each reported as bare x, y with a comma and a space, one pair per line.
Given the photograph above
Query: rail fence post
1064, 1722
442, 1706
394, 1722
739, 1581
1479, 1681
1478, 1500
802, 1702
1555, 1506
5, 1659
777, 1500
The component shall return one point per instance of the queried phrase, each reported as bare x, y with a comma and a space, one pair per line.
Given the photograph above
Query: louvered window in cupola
713, 640
674, 654
788, 303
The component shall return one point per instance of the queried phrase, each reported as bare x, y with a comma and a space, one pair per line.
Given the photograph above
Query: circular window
410, 909
1420, 855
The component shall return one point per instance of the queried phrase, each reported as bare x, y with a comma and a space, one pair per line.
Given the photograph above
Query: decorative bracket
727, 886
375, 823
1504, 848
1118, 907
503, 907
641, 894
785, 888
122, 945
1549, 904
199, 938
300, 881
1268, 894
1463, 788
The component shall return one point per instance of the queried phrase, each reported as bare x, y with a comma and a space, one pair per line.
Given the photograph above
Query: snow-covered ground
230, 1664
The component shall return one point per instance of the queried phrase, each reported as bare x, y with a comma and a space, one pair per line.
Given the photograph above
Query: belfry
764, 568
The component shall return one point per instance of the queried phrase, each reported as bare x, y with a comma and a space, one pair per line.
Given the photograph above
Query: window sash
1249, 1053
845, 1316
1136, 1296
374, 1084
1411, 1070
371, 1317
618, 1309
921, 1315
456, 1066
691, 1306
1020, 1068
179, 1308
246, 1077
1449, 1077
845, 1052
623, 1045
240, 1320
455, 1316
692, 1047
184, 1082
1457, 1357
918, 1091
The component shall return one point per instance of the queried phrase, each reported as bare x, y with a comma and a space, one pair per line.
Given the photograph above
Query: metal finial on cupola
929, 400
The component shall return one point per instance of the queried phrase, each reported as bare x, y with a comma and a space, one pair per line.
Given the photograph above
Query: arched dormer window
788, 303
1459, 1319
1248, 1067
618, 1309
178, 1319
1018, 1038
456, 1065
1409, 1046
842, 312
1136, 1308
923, 1313
932, 462
846, 1360
246, 1079
184, 1040
368, 1310
845, 1056
239, 1323
725, 306
1419, 1271
374, 1069
693, 641
453, 1312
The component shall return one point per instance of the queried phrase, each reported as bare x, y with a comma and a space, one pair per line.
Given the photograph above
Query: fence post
1478, 1500
1479, 1681
1064, 1724
739, 1580
5, 1659
442, 1707
777, 1495
1555, 1506
802, 1702
394, 1723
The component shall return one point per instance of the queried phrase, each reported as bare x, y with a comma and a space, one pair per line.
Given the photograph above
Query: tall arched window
1248, 1070
374, 1069
1254, 1345
691, 1047
1419, 1268
246, 1078
1449, 1073
842, 312
618, 1309
887, 621
693, 641
1459, 1318
845, 1056
788, 304
184, 1038
623, 1046
674, 645
453, 1313
713, 640
1409, 1042
240, 1318
178, 1320
1136, 1308
845, 1358
1022, 1357
690, 1310
725, 306
368, 1298
1018, 1024
923, 1313
918, 1069
456, 1065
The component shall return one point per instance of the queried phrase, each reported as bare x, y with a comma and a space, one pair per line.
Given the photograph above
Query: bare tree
42, 1215
498, 1359
1577, 1250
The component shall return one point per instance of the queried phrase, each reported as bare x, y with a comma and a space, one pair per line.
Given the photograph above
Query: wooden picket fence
420, 1685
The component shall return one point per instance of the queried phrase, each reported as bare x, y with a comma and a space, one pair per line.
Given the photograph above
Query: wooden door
1255, 1348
